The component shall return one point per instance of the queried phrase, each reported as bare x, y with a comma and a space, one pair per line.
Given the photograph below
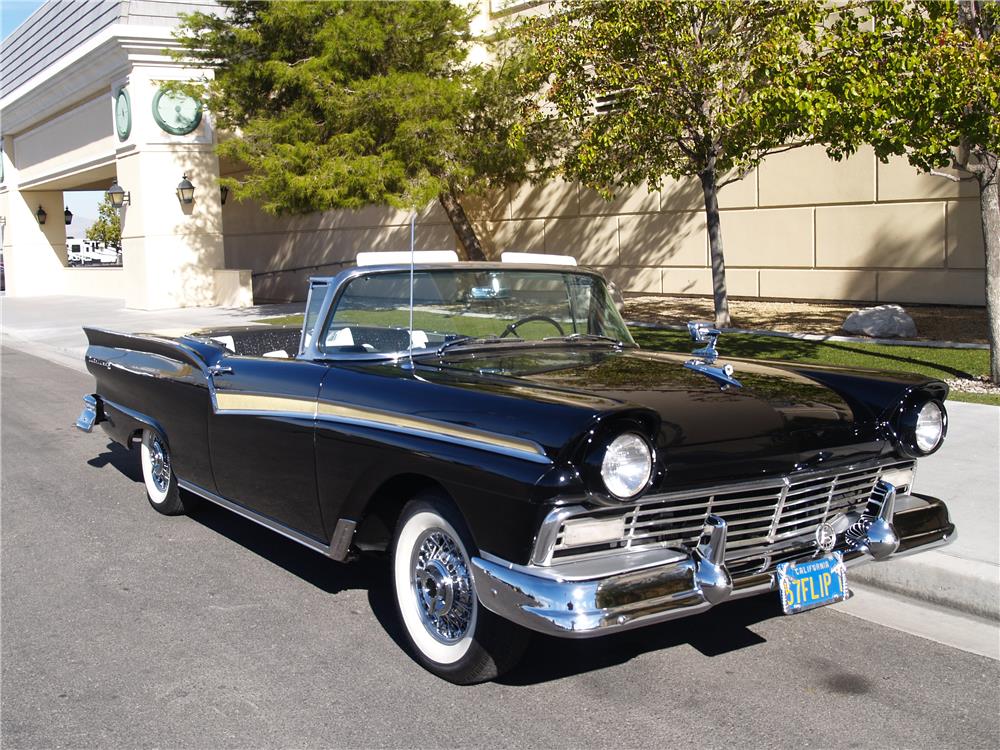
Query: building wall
799, 227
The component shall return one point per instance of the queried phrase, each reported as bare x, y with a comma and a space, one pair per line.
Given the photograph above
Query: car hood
783, 417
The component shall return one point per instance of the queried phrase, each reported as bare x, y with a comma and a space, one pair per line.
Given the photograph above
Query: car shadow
719, 631
121, 458
325, 574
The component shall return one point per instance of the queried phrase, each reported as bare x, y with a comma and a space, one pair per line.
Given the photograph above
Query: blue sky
13, 13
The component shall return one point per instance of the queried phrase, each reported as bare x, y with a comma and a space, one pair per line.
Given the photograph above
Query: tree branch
952, 177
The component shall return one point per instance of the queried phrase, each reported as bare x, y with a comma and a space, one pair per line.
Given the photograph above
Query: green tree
704, 88
922, 80
344, 104
108, 227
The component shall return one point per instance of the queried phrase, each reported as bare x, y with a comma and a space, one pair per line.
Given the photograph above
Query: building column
34, 254
171, 250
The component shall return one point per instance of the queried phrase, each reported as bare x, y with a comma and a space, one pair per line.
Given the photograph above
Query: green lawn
937, 363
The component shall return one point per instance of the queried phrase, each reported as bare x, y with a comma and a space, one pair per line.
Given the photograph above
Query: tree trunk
708, 185
989, 204
462, 226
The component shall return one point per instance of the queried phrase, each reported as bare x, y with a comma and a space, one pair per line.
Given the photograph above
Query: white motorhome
85, 252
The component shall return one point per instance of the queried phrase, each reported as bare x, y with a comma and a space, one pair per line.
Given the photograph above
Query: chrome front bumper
603, 595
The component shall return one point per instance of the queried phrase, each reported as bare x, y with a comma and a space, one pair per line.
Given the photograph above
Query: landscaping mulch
934, 322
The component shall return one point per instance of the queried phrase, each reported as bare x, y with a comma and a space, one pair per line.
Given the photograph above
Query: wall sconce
224, 191
68, 215
118, 196
185, 190
3, 221
42, 216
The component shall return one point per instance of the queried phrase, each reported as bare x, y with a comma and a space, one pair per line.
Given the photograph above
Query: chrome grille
765, 517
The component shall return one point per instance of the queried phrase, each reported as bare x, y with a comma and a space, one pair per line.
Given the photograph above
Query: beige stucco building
800, 226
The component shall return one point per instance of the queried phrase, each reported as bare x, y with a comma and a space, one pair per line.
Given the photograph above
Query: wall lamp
185, 190
3, 221
118, 196
68, 215
42, 216
224, 192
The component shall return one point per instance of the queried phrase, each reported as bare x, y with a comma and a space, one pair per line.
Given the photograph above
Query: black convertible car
494, 429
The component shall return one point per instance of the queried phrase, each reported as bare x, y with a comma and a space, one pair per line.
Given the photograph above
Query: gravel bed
974, 385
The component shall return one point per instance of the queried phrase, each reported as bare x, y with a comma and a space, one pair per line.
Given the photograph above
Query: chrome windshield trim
338, 283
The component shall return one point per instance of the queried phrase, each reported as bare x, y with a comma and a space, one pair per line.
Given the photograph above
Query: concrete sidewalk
963, 576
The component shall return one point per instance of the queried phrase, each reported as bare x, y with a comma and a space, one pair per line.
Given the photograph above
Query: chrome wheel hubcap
443, 586
159, 465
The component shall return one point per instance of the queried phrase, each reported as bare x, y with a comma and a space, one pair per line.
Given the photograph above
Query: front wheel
158, 475
451, 634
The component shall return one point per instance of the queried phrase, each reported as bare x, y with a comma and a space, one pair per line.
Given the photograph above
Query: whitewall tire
158, 474
450, 633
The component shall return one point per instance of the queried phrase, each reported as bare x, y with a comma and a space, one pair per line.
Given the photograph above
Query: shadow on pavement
126, 461
719, 631
325, 574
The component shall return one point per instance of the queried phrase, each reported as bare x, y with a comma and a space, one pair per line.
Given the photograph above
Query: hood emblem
826, 537
703, 332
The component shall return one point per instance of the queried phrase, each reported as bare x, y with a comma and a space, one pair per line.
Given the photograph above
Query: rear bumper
602, 596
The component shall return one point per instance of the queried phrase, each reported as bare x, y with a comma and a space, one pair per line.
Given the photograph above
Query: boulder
882, 322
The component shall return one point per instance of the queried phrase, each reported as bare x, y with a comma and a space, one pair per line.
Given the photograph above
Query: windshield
453, 306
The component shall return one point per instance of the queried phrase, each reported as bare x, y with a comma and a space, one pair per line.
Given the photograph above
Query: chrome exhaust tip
710, 571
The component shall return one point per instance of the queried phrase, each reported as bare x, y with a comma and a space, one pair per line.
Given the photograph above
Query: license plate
812, 583
88, 416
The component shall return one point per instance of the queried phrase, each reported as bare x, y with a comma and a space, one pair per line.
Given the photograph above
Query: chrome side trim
269, 523
343, 535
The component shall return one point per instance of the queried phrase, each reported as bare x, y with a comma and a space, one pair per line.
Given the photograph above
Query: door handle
219, 370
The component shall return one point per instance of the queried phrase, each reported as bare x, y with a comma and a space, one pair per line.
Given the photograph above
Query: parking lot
124, 628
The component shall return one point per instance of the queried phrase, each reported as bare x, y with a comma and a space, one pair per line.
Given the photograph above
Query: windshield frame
338, 285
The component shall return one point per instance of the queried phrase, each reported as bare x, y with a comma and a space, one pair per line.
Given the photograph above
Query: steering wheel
512, 328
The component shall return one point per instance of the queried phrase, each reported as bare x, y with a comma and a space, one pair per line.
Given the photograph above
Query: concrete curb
961, 584
819, 337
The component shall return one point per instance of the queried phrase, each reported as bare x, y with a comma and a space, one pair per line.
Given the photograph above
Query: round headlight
627, 465
930, 427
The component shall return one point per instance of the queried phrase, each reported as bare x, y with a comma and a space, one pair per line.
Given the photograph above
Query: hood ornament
703, 332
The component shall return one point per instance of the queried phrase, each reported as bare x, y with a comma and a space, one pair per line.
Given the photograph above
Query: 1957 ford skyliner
494, 429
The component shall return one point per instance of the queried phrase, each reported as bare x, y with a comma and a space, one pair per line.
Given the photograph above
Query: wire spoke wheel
443, 586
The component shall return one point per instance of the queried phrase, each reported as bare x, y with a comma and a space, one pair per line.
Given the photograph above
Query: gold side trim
427, 425
253, 402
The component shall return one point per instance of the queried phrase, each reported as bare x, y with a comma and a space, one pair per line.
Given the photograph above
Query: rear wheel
451, 634
158, 475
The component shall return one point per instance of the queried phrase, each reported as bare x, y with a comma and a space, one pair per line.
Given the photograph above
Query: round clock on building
123, 114
175, 112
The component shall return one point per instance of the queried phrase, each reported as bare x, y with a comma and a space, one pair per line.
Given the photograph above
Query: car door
261, 436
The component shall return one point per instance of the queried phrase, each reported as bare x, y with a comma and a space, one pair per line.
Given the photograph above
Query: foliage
702, 88
108, 226
922, 79
913, 78
345, 104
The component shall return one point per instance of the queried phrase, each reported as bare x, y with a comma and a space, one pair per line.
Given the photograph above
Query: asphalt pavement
125, 628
